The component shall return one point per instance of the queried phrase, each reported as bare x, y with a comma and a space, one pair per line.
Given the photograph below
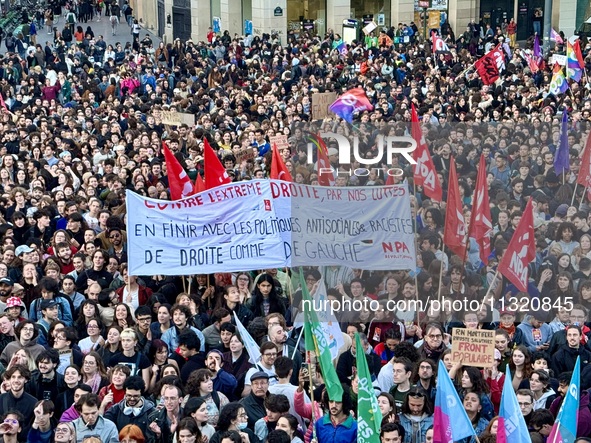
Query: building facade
190, 19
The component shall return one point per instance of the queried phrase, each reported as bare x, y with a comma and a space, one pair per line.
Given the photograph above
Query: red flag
521, 250
578, 54
584, 177
278, 169
424, 172
178, 180
2, 102
487, 69
199, 185
454, 233
325, 174
215, 173
531, 62
481, 225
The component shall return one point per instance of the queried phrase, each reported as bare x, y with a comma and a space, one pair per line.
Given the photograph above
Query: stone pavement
122, 34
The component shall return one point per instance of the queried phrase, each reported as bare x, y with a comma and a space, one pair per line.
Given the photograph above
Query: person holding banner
265, 299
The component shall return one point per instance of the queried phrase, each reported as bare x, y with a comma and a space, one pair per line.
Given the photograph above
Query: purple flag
561, 158
537, 49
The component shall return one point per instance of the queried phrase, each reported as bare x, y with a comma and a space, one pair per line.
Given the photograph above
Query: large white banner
271, 224
225, 229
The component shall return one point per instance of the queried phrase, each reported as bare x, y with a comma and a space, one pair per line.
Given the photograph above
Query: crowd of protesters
90, 353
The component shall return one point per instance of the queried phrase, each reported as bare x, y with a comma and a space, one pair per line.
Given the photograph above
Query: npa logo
395, 250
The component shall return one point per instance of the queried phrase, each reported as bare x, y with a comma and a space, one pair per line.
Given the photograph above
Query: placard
320, 103
474, 347
558, 58
245, 154
175, 118
369, 27
280, 141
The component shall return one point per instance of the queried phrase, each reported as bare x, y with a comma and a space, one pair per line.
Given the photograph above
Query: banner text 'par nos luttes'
270, 224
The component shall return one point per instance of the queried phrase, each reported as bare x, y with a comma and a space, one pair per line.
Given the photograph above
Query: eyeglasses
133, 397
61, 430
274, 354
92, 327
144, 320
115, 236
435, 336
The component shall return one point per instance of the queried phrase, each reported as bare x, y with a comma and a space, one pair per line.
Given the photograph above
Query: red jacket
143, 294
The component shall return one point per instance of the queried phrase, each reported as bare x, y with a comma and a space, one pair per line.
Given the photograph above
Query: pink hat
13, 302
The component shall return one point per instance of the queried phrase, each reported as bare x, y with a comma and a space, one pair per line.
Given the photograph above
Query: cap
22, 249
30, 212
259, 375
64, 153
6, 281
17, 288
216, 351
46, 304
562, 210
498, 355
14, 302
538, 222
333, 151
507, 312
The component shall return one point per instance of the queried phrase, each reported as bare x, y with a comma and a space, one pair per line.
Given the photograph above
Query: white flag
328, 321
251, 346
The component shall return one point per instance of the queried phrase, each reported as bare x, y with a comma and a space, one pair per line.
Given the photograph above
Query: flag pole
574, 194
297, 343
311, 392
289, 289
440, 275
184, 283
583, 197
414, 219
490, 286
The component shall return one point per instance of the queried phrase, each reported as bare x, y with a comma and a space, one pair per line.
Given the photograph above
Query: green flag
317, 342
369, 416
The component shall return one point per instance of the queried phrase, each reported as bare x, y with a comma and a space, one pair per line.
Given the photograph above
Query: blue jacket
169, 337
36, 436
345, 432
64, 311
418, 433
545, 334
